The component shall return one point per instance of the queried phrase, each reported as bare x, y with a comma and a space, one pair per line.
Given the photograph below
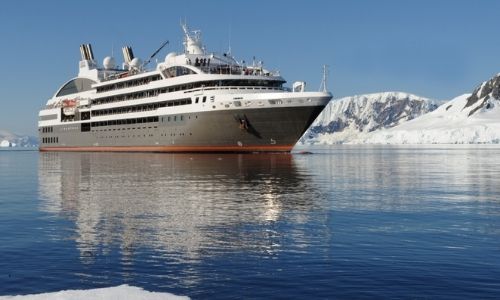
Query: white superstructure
194, 87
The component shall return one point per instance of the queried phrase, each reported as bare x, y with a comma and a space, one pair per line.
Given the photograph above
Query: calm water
349, 222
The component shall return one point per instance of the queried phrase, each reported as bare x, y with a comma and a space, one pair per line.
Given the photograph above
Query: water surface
346, 222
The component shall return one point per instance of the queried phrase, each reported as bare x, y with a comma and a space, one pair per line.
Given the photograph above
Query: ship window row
252, 82
139, 108
174, 118
46, 129
204, 99
129, 96
125, 121
270, 84
128, 83
125, 128
50, 140
143, 94
69, 128
176, 71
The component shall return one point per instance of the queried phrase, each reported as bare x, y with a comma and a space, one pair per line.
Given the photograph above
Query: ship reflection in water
354, 221
181, 205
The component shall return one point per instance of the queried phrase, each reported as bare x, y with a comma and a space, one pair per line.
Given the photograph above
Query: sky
438, 49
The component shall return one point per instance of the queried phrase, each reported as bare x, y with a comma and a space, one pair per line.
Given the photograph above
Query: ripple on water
352, 222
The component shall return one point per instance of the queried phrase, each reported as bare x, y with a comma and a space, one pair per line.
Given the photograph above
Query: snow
449, 124
481, 88
346, 119
9, 139
115, 293
362, 108
383, 119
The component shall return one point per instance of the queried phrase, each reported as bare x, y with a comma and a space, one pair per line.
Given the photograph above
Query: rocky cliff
343, 120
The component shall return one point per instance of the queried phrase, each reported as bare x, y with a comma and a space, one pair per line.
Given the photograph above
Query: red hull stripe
261, 148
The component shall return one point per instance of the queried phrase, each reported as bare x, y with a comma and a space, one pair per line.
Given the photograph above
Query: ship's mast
322, 87
192, 42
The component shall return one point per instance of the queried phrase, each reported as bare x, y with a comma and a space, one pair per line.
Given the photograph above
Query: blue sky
437, 49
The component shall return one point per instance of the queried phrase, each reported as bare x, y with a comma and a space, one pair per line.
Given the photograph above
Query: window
177, 71
85, 115
204, 99
142, 107
123, 122
230, 84
74, 86
85, 127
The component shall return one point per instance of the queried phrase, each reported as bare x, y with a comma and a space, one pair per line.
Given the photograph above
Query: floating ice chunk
4, 143
116, 293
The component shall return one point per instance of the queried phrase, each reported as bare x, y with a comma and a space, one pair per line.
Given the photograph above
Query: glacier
349, 118
449, 124
400, 118
467, 119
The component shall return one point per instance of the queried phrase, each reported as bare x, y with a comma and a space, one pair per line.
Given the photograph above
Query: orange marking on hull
255, 148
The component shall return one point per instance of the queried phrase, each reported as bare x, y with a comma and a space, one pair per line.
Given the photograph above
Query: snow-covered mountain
468, 119
9, 139
347, 119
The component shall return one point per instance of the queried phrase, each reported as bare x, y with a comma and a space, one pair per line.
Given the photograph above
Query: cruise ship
194, 101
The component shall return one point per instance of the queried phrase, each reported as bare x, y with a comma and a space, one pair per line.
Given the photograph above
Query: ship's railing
222, 69
58, 104
252, 88
228, 69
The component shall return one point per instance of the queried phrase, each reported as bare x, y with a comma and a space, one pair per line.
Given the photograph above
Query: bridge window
76, 85
176, 71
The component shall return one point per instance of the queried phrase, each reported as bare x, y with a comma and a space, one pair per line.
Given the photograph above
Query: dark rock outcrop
485, 94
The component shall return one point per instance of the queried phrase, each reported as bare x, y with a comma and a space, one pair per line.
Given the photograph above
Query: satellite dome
109, 63
170, 57
136, 63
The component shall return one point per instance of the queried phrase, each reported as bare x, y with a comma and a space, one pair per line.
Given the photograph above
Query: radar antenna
154, 54
322, 87
229, 48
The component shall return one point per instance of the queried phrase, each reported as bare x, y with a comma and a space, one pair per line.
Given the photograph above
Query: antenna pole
229, 50
322, 87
